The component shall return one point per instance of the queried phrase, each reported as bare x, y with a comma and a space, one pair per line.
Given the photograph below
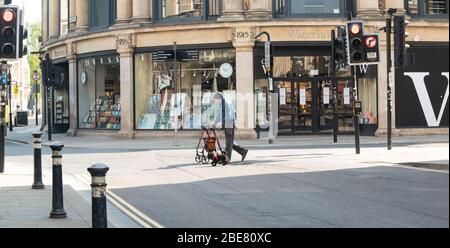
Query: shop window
427, 8
305, 8
165, 96
64, 17
101, 14
367, 89
187, 9
99, 93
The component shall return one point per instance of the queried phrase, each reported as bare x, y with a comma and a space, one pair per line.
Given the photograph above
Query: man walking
225, 118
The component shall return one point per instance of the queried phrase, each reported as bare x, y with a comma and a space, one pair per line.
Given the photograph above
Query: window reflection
64, 17
182, 8
186, 94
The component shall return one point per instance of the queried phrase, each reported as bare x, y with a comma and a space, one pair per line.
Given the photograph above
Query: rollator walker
209, 152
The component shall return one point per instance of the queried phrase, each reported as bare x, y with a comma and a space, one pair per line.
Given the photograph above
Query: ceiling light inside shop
109, 60
117, 59
101, 61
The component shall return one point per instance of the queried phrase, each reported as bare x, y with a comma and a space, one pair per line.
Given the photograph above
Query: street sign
267, 54
15, 90
36, 76
163, 55
4, 78
188, 55
371, 41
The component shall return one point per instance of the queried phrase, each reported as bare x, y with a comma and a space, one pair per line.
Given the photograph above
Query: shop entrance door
305, 105
298, 105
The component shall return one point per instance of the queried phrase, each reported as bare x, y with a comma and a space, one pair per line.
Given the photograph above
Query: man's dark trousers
230, 145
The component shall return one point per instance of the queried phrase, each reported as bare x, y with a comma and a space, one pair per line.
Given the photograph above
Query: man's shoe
244, 155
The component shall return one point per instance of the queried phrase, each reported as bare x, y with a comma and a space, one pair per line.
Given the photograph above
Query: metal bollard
58, 211
99, 215
37, 148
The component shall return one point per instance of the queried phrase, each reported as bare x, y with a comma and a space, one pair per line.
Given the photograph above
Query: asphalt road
376, 196
369, 197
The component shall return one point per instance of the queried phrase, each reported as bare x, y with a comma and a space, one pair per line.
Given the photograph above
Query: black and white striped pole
37, 148
99, 213
58, 211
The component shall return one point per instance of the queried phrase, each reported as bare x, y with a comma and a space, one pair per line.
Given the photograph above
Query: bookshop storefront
99, 92
166, 90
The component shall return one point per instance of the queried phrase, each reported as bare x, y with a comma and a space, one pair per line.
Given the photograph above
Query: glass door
325, 105
296, 106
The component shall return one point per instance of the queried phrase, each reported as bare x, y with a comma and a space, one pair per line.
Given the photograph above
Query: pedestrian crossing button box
357, 108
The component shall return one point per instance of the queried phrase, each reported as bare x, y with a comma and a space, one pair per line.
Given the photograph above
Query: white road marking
127, 208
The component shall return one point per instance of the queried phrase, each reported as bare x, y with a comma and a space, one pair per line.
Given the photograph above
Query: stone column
368, 9
141, 11
396, 4
53, 19
125, 50
73, 90
72, 15
44, 20
82, 15
245, 104
233, 10
124, 9
259, 10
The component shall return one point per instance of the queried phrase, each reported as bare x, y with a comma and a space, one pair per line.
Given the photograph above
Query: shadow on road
367, 197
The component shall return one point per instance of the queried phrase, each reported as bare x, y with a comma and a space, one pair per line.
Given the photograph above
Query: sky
32, 9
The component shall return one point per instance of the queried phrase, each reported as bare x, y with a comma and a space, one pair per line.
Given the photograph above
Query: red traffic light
355, 28
8, 15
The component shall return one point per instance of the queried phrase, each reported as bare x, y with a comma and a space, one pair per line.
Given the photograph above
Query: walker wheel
214, 163
198, 159
205, 160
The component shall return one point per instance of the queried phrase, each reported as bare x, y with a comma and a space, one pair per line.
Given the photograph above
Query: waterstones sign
422, 90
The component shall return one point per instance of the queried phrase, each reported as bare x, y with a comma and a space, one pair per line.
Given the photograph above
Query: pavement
302, 181
23, 207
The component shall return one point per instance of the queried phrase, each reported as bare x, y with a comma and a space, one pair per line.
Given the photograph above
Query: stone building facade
124, 78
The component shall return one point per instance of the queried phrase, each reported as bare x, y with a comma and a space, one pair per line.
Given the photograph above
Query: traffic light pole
36, 101
334, 82
355, 115
49, 113
389, 88
2, 118
10, 103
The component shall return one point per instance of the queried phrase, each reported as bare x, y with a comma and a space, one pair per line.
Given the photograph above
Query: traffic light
9, 31
355, 37
52, 75
23, 46
340, 45
400, 46
371, 49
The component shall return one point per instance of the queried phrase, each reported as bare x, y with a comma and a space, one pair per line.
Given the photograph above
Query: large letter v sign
419, 83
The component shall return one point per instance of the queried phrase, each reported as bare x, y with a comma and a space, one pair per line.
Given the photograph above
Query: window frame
112, 16
421, 14
287, 12
59, 17
157, 9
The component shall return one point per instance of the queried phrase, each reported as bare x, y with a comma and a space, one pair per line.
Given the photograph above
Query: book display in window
103, 114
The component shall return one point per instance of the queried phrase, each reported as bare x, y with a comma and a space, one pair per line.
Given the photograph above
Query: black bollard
37, 148
58, 211
99, 215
